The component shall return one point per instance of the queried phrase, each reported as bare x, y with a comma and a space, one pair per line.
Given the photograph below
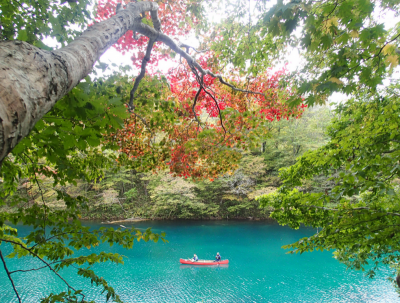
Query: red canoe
203, 262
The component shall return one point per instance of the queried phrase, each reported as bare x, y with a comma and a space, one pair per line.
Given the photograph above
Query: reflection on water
258, 269
185, 266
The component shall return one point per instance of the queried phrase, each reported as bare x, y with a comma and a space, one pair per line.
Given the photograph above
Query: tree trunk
32, 80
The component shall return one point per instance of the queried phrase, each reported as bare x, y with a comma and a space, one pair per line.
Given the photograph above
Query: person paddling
217, 257
195, 258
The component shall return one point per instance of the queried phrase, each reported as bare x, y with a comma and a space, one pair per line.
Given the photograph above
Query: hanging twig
9, 277
41, 194
219, 110
142, 73
200, 80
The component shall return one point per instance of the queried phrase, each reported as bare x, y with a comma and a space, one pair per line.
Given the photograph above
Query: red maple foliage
202, 134
177, 18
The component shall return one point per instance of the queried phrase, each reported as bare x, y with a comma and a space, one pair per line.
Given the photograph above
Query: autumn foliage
201, 127
177, 18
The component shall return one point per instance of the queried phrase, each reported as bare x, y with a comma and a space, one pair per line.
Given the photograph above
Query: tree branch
141, 75
194, 103
9, 276
188, 47
41, 193
27, 270
37, 256
158, 36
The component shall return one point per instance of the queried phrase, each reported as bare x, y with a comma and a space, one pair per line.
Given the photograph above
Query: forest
206, 119
124, 193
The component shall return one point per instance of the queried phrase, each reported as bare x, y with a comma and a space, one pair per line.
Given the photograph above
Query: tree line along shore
124, 193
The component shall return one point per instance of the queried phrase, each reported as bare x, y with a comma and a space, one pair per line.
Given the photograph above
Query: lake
259, 270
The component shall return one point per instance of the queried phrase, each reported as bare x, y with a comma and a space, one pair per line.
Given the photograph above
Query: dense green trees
123, 191
348, 187
350, 47
359, 214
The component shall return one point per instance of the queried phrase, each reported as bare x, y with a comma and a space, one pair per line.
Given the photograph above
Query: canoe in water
203, 262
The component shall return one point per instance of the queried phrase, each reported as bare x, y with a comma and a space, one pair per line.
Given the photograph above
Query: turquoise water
259, 270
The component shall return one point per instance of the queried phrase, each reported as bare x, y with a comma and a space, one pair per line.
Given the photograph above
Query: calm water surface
259, 270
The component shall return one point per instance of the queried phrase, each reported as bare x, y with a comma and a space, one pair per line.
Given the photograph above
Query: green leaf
22, 35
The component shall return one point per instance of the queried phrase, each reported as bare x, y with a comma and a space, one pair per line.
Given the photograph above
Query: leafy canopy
359, 214
345, 44
34, 20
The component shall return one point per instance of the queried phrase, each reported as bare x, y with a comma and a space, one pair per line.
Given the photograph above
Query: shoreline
138, 219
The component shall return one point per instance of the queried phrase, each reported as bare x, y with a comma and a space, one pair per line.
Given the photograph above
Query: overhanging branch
155, 35
9, 276
41, 259
191, 61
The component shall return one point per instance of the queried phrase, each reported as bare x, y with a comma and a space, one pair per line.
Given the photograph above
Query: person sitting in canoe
195, 258
218, 257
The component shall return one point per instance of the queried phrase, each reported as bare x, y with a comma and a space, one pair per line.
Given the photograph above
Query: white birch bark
32, 80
